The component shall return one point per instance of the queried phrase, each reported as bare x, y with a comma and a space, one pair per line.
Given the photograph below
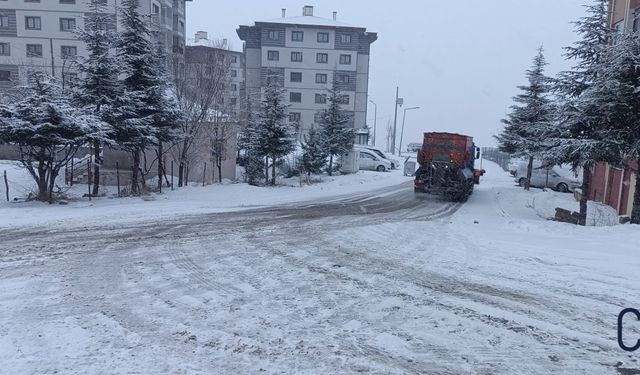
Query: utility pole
404, 115
375, 120
395, 119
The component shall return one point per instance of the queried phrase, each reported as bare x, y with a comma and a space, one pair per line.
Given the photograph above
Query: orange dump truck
447, 166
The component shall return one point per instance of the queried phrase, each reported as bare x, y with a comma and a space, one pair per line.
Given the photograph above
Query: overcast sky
459, 61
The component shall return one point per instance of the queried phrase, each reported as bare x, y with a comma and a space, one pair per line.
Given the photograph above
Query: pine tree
335, 131
614, 97
98, 87
48, 130
274, 137
530, 118
314, 153
582, 139
145, 108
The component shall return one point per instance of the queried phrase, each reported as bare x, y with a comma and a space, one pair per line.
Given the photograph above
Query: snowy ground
377, 283
185, 201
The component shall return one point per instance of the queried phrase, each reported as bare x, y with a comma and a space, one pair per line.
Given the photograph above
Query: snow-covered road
377, 283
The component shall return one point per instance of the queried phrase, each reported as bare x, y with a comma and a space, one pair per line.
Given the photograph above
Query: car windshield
323, 187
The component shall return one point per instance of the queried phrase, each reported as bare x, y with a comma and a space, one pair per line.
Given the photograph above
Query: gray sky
459, 61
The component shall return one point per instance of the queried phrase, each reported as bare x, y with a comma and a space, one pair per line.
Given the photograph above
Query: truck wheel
381, 168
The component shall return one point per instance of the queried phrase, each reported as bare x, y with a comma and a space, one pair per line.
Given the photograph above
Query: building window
296, 56
5, 75
345, 38
5, 49
321, 98
344, 99
234, 87
34, 50
295, 116
297, 36
345, 59
295, 97
4, 20
317, 117
101, 2
234, 59
67, 24
31, 1
234, 73
342, 78
68, 52
33, 23
296, 77
233, 101
322, 58
273, 55
273, 35
323, 37
67, 1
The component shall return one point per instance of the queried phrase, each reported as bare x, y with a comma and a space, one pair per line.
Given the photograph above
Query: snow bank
190, 200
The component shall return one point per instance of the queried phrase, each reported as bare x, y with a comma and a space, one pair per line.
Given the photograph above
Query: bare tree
200, 86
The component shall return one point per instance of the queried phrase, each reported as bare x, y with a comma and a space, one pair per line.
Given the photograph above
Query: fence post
171, 175
71, 180
118, 177
204, 174
89, 176
6, 185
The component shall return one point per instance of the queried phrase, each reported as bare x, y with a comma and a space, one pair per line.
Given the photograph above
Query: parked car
372, 162
414, 147
541, 177
394, 162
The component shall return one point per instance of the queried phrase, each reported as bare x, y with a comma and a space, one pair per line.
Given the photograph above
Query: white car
372, 162
541, 177
395, 164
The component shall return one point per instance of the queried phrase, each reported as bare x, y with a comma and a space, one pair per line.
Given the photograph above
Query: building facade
212, 55
39, 34
614, 185
305, 54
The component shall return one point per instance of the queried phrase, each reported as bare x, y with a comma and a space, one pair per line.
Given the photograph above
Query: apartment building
216, 53
39, 34
304, 54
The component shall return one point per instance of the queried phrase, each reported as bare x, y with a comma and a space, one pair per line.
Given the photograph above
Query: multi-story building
221, 62
37, 34
305, 54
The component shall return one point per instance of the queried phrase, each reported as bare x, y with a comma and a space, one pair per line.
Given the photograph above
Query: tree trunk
43, 186
584, 197
273, 170
96, 168
330, 171
635, 211
52, 184
135, 189
160, 166
219, 164
527, 184
266, 170
180, 173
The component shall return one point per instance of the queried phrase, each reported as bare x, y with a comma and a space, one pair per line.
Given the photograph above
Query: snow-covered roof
195, 42
308, 21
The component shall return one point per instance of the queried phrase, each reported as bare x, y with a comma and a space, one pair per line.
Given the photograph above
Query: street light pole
375, 120
404, 115
395, 119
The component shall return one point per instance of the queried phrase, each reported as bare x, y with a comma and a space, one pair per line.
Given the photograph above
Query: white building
39, 33
304, 52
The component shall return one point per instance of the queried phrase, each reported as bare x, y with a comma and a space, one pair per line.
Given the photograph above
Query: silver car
373, 162
541, 177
